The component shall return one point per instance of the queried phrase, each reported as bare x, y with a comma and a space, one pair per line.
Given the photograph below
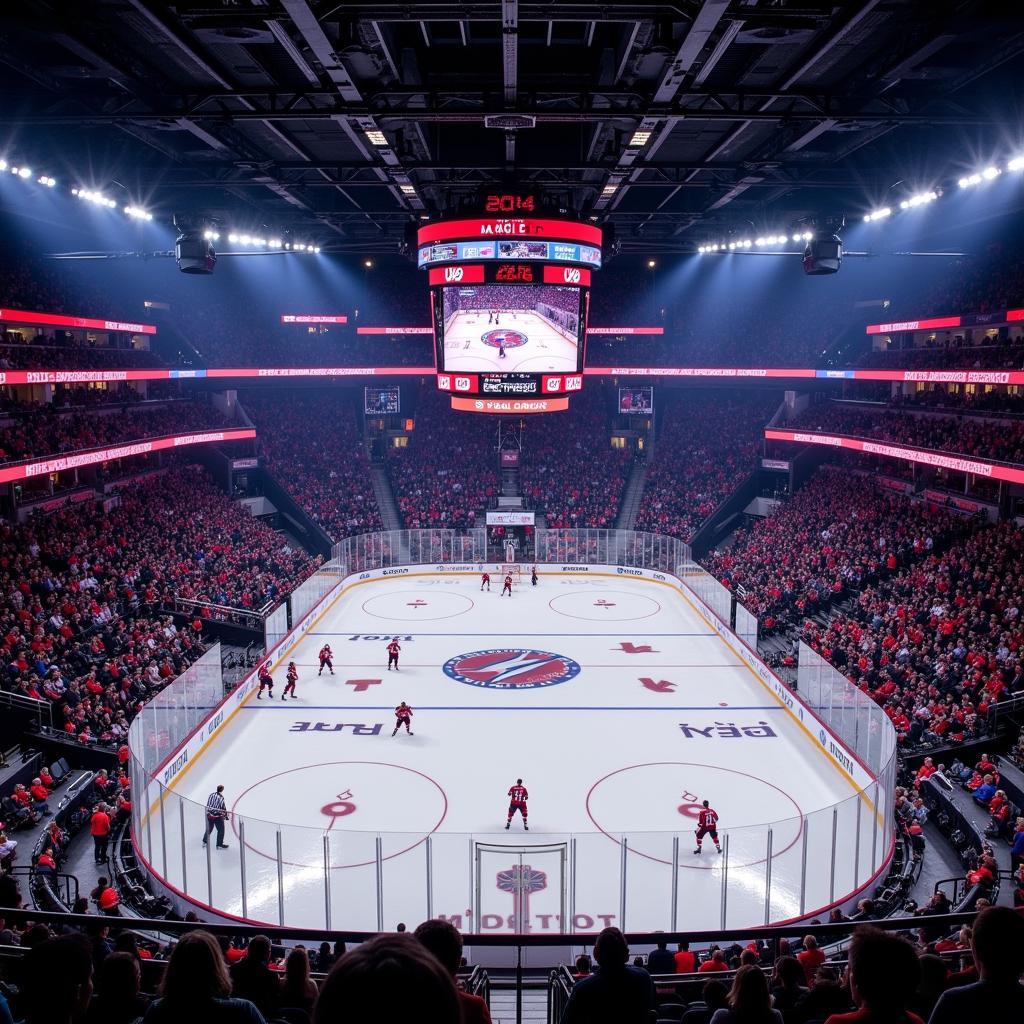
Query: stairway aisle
503, 1005
626, 519
385, 497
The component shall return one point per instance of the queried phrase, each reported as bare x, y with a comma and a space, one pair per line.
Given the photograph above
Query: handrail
826, 932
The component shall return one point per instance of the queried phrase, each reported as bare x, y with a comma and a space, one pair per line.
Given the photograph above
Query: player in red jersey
326, 659
507, 589
394, 648
707, 825
265, 681
517, 802
403, 716
293, 678
485, 581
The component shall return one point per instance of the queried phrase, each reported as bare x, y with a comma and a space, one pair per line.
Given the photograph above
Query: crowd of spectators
84, 592
973, 437
707, 443
955, 353
45, 431
993, 401
936, 974
569, 471
919, 607
448, 473
838, 534
312, 446
45, 353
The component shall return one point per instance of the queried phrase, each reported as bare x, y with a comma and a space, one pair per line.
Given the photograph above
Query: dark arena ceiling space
353, 121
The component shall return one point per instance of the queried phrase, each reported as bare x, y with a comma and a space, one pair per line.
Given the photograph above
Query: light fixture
24, 172
609, 190
368, 264
274, 243
1016, 164
232, 238
990, 172
376, 137
45, 179
316, 248
640, 138
918, 200
3, 165
651, 264
879, 214
139, 214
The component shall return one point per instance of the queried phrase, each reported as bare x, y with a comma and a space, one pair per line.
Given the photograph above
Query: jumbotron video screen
521, 328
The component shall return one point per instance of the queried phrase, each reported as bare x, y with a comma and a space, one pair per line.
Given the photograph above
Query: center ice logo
510, 339
511, 669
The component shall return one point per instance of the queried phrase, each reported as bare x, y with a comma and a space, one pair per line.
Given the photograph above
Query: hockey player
292, 677
533, 576
501, 350
403, 716
326, 659
394, 648
266, 682
517, 802
485, 581
707, 824
507, 589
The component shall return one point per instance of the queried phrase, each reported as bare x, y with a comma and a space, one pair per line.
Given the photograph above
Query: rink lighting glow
376, 138
920, 199
46, 180
1016, 164
138, 213
881, 214
640, 138
213, 236
407, 190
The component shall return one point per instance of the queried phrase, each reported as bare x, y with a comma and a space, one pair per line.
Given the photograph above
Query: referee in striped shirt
216, 815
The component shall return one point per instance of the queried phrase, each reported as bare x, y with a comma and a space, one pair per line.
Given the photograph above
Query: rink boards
639, 705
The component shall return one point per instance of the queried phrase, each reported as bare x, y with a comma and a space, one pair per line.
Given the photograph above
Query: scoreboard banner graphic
522, 384
504, 228
509, 407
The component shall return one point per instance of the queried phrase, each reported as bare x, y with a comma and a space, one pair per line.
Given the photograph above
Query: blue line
281, 706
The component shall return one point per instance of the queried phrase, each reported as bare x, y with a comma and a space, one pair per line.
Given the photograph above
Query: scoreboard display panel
509, 297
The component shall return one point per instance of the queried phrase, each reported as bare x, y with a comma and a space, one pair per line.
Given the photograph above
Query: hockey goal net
511, 569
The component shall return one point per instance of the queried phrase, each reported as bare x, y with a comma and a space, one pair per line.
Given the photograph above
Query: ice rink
614, 701
534, 346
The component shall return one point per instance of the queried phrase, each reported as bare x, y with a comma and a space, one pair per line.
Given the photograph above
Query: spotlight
651, 264
24, 172
377, 138
287, 245
45, 179
213, 236
192, 249
368, 264
609, 190
918, 200
407, 190
640, 138
879, 214
138, 213
316, 249
823, 253
1016, 164
990, 172
3, 165
233, 238
969, 180
275, 243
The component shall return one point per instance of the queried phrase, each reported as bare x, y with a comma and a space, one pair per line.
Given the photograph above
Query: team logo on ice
511, 669
510, 339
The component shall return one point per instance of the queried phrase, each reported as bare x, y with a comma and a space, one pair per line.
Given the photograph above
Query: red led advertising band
312, 318
508, 227
471, 273
904, 452
21, 316
75, 460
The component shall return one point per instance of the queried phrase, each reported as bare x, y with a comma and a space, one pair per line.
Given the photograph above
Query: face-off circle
502, 337
355, 798
605, 605
511, 668
407, 606
673, 794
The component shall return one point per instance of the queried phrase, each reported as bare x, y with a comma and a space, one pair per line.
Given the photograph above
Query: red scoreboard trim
508, 227
625, 330
509, 405
575, 277
75, 460
927, 456
21, 316
394, 330
466, 273
312, 318
694, 371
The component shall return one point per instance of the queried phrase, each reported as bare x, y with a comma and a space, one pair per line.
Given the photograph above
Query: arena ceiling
670, 122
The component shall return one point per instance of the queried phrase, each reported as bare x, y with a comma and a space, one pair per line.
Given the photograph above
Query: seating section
84, 592
42, 432
312, 446
706, 446
1001, 441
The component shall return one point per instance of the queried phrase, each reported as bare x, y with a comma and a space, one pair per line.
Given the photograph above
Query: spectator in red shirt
99, 827
442, 939
686, 962
811, 958
40, 795
884, 974
716, 962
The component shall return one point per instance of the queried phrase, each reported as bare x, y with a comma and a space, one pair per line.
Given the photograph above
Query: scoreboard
509, 293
